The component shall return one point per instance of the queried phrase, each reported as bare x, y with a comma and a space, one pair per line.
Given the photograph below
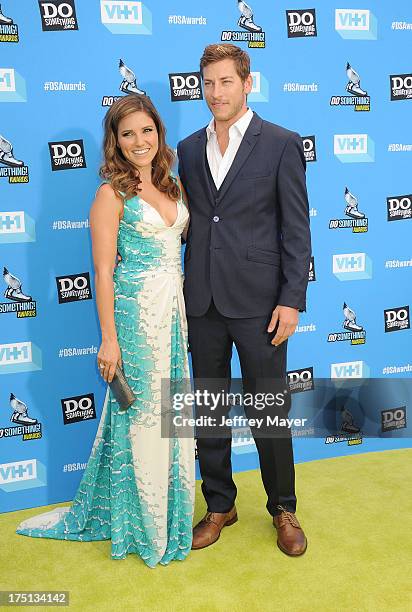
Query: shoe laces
215, 518
209, 518
287, 517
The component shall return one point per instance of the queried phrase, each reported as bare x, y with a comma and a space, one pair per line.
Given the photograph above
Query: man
246, 271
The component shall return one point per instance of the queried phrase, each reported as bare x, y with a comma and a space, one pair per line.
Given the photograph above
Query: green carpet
356, 512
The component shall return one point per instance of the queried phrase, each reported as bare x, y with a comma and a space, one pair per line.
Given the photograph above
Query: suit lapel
201, 163
246, 147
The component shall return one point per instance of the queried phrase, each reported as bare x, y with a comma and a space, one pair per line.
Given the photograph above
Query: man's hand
288, 319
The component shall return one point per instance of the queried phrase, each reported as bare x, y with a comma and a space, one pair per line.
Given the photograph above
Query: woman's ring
101, 366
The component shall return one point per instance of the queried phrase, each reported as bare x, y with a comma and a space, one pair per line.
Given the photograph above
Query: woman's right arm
105, 213
185, 202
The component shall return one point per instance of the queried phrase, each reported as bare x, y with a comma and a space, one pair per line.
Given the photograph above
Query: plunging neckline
158, 213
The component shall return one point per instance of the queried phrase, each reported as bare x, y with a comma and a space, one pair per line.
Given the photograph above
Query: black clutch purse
122, 392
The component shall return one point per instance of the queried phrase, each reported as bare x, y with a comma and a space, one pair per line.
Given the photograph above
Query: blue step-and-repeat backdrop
338, 73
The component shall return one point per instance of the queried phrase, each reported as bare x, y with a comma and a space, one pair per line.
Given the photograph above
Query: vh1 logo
16, 226
12, 86
260, 88
356, 24
349, 369
19, 475
125, 17
352, 148
20, 357
352, 266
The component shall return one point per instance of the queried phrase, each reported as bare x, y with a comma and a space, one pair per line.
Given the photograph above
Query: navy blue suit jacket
248, 243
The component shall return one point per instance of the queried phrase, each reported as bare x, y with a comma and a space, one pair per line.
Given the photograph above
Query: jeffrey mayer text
237, 421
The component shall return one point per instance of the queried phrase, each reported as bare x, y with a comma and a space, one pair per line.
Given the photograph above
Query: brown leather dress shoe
291, 539
207, 531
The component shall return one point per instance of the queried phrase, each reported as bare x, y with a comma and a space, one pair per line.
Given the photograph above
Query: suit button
216, 219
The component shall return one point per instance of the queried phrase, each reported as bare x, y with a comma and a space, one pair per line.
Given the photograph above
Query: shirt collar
241, 124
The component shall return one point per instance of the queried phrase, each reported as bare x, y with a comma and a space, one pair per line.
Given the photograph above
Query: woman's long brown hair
116, 169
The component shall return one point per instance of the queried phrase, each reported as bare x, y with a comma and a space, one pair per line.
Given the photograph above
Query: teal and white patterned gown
138, 486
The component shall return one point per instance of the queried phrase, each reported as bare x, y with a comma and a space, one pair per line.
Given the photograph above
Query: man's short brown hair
218, 52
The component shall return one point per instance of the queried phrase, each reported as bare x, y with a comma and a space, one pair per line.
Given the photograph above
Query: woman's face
138, 138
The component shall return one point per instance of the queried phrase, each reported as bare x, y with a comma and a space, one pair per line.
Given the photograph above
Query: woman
138, 486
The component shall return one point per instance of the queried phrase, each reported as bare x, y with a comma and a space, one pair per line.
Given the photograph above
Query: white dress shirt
219, 165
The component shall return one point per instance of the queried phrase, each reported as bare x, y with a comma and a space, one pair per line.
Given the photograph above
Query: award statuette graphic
350, 319
128, 85
353, 86
6, 154
20, 414
3, 19
351, 209
246, 18
348, 423
14, 291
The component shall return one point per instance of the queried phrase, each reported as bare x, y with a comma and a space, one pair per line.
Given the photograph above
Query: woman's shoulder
107, 199
107, 191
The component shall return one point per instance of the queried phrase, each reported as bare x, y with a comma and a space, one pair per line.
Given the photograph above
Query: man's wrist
288, 306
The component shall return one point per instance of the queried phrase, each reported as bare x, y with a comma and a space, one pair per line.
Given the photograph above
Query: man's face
224, 90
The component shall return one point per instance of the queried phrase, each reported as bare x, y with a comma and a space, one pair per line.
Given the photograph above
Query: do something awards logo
250, 32
58, 15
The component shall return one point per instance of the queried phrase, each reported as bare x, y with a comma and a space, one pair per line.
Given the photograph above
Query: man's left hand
287, 318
